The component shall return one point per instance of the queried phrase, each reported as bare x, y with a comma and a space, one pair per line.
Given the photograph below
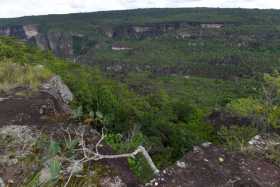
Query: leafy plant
55, 168
246, 107
13, 75
70, 146
54, 148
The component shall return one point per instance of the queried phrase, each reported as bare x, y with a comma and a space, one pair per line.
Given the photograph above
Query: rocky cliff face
63, 43
157, 29
58, 42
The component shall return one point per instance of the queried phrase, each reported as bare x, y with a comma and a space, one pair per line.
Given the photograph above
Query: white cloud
15, 8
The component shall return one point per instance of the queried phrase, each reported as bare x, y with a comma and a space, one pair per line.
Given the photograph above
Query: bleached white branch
90, 155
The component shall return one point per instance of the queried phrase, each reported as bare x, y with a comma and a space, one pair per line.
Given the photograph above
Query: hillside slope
216, 43
180, 51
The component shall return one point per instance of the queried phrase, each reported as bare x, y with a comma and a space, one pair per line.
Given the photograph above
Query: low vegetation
167, 124
164, 88
156, 120
13, 75
263, 112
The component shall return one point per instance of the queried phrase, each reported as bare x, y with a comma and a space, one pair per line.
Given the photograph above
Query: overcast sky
16, 8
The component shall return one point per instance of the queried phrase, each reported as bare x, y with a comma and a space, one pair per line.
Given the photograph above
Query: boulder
61, 93
57, 88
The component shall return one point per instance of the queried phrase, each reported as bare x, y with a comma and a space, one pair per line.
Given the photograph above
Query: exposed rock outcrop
71, 44
260, 143
208, 165
57, 88
29, 121
19, 134
22, 106
30, 31
61, 43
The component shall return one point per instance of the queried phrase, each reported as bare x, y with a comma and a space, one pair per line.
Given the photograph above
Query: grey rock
260, 143
19, 134
115, 181
3, 99
206, 144
56, 87
181, 164
2, 184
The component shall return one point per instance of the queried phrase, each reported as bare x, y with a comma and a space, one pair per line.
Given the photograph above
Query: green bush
236, 138
274, 117
165, 126
13, 75
245, 107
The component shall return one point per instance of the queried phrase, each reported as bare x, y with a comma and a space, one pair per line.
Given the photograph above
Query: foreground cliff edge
36, 144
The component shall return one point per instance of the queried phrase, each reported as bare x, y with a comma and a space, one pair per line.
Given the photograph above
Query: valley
171, 80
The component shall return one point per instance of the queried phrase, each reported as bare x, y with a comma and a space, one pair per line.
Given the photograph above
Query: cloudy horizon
18, 8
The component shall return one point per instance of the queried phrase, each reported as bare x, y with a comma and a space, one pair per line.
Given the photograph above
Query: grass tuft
13, 75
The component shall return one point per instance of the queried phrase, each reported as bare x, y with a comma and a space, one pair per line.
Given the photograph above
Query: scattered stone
196, 149
260, 143
43, 109
181, 164
19, 134
206, 144
10, 181
221, 159
112, 182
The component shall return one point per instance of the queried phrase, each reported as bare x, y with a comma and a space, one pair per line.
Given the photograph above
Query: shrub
274, 117
13, 75
166, 128
273, 152
236, 138
245, 107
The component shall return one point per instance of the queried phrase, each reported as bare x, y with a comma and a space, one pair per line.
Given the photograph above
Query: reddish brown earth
214, 167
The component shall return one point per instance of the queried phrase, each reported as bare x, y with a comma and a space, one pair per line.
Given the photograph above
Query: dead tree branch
95, 155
